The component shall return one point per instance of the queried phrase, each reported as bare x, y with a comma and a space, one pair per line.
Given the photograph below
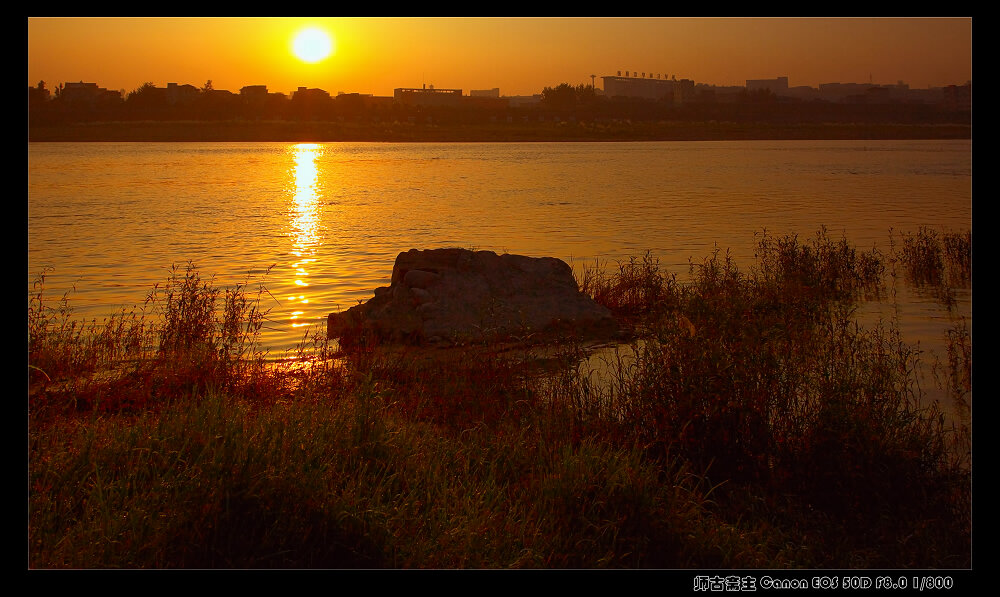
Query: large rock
458, 295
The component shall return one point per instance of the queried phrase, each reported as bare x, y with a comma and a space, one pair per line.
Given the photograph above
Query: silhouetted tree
579, 101
561, 97
214, 104
141, 93
38, 102
147, 101
37, 93
585, 94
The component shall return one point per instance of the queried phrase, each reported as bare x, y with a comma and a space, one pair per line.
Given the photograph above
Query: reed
938, 259
772, 384
188, 336
750, 423
958, 256
638, 290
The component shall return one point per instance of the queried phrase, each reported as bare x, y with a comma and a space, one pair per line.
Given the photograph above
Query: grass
188, 337
751, 423
937, 263
932, 259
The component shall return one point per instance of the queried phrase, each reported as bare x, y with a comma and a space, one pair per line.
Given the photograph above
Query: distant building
878, 95
776, 86
181, 94
931, 95
219, 93
309, 94
957, 97
518, 101
40, 93
660, 88
427, 96
364, 100
718, 94
254, 92
801, 92
87, 93
486, 102
835, 92
495, 92
256, 96
79, 91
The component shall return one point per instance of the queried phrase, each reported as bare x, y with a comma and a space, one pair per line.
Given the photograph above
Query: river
107, 220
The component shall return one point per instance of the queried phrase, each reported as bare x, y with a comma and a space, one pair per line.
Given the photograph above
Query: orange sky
518, 55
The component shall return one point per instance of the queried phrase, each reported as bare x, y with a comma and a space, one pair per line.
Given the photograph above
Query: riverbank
396, 132
755, 427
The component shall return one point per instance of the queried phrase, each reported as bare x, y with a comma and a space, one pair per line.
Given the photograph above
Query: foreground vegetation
752, 423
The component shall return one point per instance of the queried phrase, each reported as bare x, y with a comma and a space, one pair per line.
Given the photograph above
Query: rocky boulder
458, 295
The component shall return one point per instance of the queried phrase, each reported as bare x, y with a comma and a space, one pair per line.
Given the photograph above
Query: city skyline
520, 56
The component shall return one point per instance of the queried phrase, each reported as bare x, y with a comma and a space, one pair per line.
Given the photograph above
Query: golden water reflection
304, 221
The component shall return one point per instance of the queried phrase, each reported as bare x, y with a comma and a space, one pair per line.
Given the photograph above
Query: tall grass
772, 384
940, 262
638, 290
60, 346
751, 423
188, 336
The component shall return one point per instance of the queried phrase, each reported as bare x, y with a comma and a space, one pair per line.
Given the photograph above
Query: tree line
564, 101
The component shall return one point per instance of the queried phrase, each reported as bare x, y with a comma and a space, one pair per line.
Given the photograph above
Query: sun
312, 45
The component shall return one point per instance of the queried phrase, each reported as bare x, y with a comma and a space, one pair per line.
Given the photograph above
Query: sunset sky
518, 55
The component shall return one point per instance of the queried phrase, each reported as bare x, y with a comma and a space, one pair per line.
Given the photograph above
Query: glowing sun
312, 45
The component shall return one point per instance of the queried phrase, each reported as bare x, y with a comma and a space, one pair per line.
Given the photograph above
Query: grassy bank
320, 131
751, 424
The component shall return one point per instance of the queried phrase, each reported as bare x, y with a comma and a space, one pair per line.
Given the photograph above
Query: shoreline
395, 132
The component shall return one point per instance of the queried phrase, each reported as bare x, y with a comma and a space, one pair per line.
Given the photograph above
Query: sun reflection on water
304, 221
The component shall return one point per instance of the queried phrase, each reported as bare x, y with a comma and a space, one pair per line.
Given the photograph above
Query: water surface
111, 218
